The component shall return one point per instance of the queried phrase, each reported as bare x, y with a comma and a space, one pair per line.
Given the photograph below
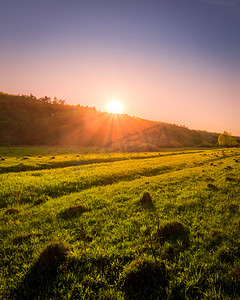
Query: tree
226, 140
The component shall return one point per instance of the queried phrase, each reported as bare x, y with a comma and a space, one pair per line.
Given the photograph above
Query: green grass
105, 241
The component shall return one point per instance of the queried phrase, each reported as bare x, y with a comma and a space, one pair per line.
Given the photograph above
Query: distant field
75, 224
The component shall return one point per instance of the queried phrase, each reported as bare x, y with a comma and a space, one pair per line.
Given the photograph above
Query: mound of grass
212, 187
24, 238
52, 256
233, 208
74, 211
39, 201
236, 274
41, 277
144, 279
229, 178
210, 179
226, 255
172, 230
146, 201
11, 211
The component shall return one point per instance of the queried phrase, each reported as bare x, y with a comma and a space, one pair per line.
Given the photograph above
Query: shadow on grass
40, 279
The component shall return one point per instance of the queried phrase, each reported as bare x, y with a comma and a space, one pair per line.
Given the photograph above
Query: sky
176, 61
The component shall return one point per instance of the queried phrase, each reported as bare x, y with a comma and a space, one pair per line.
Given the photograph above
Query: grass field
84, 225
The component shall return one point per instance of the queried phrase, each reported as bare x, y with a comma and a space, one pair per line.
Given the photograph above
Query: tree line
28, 120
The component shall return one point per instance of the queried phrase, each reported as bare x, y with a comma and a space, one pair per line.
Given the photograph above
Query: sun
114, 107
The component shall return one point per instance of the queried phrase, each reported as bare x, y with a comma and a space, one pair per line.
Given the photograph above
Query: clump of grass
209, 179
39, 201
74, 211
172, 230
229, 178
146, 201
212, 187
187, 206
52, 256
225, 254
41, 277
233, 208
86, 237
24, 238
11, 211
214, 239
110, 294
144, 278
37, 174
236, 273
238, 224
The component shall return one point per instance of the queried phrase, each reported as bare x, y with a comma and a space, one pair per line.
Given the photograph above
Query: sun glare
114, 107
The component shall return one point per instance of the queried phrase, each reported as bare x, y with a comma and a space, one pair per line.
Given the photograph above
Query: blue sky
176, 61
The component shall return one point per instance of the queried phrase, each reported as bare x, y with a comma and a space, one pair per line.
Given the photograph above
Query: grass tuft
11, 211
74, 211
146, 201
39, 201
236, 273
144, 278
24, 238
229, 178
212, 187
52, 256
172, 230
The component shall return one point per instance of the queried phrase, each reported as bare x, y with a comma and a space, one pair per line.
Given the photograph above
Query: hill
27, 120
165, 135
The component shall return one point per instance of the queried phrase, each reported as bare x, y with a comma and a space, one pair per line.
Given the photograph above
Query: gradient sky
176, 61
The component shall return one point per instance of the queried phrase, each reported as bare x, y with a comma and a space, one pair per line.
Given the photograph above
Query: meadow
83, 224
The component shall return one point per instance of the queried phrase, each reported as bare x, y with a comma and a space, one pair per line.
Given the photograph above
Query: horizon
171, 62
118, 115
